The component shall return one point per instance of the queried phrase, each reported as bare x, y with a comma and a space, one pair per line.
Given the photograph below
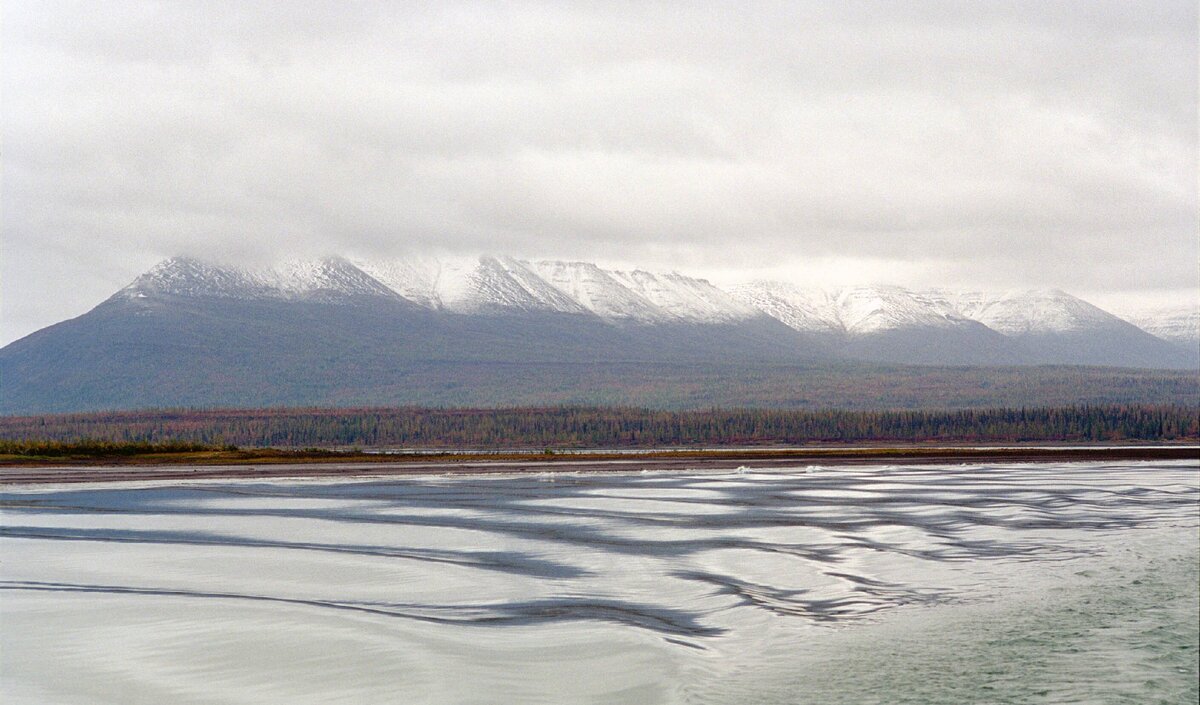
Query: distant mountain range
1178, 325
878, 323
333, 331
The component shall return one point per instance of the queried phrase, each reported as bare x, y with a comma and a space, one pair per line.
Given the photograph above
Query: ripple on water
1020, 583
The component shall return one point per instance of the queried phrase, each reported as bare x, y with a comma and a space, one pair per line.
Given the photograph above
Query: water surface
1001, 583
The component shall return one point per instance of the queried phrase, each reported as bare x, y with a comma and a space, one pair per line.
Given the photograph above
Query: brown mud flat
241, 465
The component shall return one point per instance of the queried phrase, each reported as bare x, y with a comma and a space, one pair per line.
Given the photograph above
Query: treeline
99, 448
605, 427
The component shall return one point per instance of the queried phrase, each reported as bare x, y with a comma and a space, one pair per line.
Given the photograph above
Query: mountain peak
872, 309
1036, 311
328, 279
184, 276
1178, 324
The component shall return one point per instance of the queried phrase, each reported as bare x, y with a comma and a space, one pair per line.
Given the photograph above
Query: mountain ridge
491, 284
497, 330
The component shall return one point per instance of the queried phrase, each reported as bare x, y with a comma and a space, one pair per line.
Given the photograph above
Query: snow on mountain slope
436, 283
1176, 324
862, 310
803, 309
491, 285
873, 309
474, 285
328, 279
599, 291
184, 276
1029, 311
685, 298
498, 284
507, 283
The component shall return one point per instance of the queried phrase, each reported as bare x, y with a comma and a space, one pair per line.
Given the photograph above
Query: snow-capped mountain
499, 285
1027, 311
502, 284
893, 324
874, 309
601, 292
505, 284
1050, 326
853, 311
1048, 323
806, 310
484, 284
329, 279
183, 276
483, 330
1177, 324
883, 323
685, 298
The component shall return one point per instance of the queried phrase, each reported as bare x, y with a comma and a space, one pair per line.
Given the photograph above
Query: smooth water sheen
997, 584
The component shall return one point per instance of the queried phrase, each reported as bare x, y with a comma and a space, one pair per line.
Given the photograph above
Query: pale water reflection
1021, 583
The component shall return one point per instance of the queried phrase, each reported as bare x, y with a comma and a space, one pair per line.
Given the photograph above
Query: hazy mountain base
191, 352
664, 386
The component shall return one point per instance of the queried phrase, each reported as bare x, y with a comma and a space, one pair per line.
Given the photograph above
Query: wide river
1074, 583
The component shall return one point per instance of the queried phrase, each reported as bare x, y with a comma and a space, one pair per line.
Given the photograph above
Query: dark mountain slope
171, 350
201, 352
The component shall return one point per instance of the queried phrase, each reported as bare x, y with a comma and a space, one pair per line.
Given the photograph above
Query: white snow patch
685, 298
496, 285
1178, 324
1029, 311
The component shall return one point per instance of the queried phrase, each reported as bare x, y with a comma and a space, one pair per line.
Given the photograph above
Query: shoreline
133, 469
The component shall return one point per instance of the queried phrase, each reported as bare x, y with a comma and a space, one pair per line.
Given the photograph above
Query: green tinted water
1124, 630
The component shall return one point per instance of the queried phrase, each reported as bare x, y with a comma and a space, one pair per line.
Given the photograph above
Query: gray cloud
1001, 143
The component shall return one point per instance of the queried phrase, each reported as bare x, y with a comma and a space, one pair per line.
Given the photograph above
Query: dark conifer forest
606, 427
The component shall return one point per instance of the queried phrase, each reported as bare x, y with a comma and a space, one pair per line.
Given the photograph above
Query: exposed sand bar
137, 470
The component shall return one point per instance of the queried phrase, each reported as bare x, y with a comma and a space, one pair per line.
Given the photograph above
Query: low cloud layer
992, 144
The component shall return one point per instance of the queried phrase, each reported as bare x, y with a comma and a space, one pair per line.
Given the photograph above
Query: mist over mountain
499, 330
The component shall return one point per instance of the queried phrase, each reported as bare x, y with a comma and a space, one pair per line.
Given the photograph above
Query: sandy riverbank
358, 465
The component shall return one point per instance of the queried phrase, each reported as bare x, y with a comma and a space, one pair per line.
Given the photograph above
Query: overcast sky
990, 144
